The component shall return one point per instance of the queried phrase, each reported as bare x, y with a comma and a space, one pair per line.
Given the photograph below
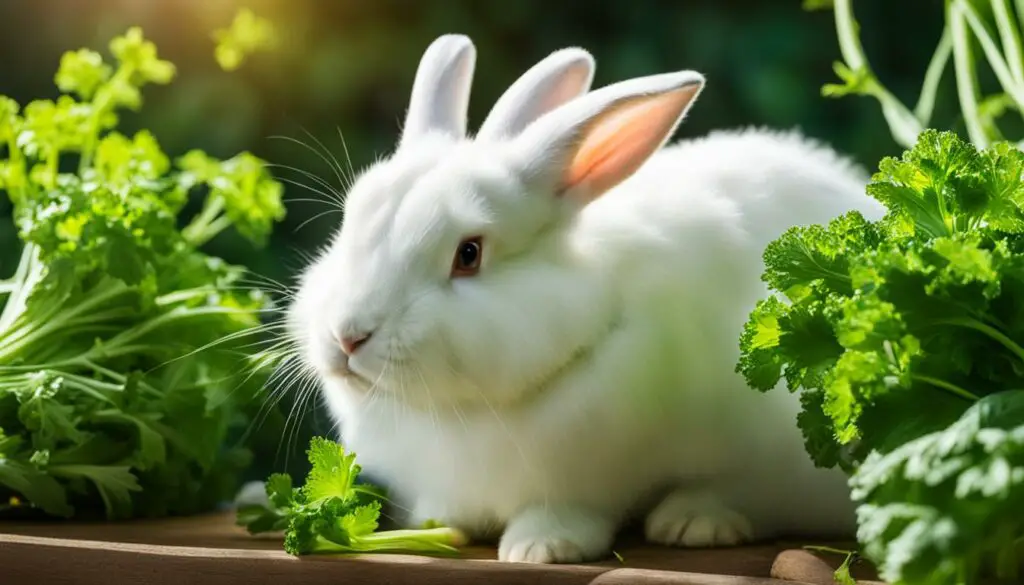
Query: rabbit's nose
351, 343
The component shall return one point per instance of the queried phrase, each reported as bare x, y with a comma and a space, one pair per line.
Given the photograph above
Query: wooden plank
211, 550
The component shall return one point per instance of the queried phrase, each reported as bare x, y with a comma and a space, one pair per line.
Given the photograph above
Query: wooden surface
211, 550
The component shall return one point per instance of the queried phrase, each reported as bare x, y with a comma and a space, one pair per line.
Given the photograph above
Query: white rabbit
532, 333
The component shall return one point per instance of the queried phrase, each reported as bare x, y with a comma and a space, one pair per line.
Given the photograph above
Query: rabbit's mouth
337, 365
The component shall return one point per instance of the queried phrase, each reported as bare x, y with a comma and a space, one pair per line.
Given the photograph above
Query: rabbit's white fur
586, 374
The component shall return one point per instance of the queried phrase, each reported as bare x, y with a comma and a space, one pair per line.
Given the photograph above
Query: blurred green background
345, 67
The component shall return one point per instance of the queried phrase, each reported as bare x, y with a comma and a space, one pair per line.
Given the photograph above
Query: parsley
248, 33
107, 404
904, 337
331, 513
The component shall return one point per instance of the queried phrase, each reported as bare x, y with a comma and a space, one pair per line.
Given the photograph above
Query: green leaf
761, 364
45, 412
280, 491
138, 55
944, 186
121, 161
82, 72
9, 121
855, 82
113, 482
332, 474
242, 186
257, 519
247, 34
151, 450
816, 428
362, 520
50, 127
40, 489
842, 574
805, 254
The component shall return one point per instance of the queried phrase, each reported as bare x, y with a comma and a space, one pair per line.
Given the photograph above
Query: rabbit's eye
467, 257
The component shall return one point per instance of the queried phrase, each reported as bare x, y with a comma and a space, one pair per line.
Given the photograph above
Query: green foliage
107, 403
973, 28
842, 574
892, 331
331, 513
247, 34
945, 505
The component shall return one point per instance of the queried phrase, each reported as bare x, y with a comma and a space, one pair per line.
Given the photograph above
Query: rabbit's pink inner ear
618, 141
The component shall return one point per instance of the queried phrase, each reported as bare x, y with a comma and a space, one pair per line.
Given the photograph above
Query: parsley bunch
108, 403
331, 513
904, 338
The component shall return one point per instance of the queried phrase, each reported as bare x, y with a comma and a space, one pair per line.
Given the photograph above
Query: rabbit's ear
553, 81
440, 92
589, 145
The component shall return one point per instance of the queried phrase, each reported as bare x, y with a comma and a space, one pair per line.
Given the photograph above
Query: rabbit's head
455, 276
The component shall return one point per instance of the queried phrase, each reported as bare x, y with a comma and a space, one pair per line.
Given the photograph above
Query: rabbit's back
729, 188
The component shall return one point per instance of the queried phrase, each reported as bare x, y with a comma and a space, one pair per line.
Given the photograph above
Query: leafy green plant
108, 402
331, 513
247, 34
904, 338
993, 26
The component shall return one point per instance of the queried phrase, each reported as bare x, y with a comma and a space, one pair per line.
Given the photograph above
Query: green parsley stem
992, 53
966, 75
14, 343
829, 549
988, 330
21, 282
951, 388
179, 296
1020, 9
437, 540
174, 315
1010, 38
206, 225
100, 105
89, 389
933, 76
222, 223
903, 124
15, 171
52, 166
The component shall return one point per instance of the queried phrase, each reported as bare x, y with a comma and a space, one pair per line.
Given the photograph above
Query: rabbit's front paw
556, 534
540, 550
691, 519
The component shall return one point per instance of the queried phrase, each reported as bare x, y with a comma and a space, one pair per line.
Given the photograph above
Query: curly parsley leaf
333, 513
898, 334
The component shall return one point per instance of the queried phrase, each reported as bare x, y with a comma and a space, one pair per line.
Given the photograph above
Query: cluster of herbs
332, 513
904, 338
110, 403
